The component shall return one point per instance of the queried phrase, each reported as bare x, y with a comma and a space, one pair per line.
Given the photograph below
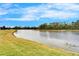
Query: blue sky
34, 14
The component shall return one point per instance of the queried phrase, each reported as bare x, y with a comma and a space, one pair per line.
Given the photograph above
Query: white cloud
66, 6
3, 12
45, 11
58, 14
61, 11
6, 5
3, 8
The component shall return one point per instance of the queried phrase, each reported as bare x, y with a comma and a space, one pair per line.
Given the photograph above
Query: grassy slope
12, 46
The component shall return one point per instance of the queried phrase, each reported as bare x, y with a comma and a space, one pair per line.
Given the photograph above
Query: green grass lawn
12, 46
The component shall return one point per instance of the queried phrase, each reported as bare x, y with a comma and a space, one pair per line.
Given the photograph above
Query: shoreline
51, 30
48, 46
60, 30
47, 30
13, 46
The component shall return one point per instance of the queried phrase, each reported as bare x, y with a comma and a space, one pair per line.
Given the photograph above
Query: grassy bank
12, 46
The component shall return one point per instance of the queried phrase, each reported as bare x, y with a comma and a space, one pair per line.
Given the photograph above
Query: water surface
66, 40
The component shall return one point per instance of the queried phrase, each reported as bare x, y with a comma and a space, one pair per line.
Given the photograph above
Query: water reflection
76, 33
43, 34
66, 40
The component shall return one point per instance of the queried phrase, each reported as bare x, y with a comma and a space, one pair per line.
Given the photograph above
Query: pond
66, 40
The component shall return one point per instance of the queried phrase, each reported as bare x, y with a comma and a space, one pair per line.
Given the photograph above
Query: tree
43, 26
59, 26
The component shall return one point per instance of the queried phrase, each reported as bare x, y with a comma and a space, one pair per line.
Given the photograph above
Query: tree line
50, 26
60, 26
16, 27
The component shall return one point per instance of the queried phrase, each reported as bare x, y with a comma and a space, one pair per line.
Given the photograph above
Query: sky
34, 14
